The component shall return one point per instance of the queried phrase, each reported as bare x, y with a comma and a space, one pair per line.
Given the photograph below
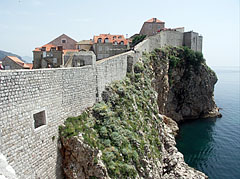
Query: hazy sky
27, 24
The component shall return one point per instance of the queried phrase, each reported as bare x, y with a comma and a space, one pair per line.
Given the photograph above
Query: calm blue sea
213, 145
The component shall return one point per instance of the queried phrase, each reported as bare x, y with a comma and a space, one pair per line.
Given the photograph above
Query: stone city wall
60, 93
111, 69
53, 95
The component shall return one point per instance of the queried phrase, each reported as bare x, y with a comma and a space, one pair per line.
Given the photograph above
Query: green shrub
173, 61
137, 39
194, 59
138, 68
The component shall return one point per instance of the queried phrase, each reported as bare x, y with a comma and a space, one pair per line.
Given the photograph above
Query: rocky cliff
125, 136
185, 84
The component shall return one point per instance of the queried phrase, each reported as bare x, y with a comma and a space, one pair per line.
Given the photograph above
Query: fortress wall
111, 69
114, 68
171, 38
166, 38
143, 46
78, 89
61, 93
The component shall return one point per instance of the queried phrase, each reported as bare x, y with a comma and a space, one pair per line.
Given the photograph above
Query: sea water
213, 145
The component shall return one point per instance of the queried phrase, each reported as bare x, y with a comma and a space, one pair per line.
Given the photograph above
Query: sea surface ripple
213, 145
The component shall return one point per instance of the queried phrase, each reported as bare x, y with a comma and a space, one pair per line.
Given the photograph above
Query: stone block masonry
109, 70
60, 93
33, 103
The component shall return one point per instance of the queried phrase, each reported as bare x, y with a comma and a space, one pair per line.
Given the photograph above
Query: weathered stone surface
80, 161
173, 161
191, 93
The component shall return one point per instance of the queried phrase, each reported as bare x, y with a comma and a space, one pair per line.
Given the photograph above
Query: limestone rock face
184, 92
173, 161
80, 161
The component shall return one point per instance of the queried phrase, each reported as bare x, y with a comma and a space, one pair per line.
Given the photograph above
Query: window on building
121, 43
106, 40
115, 43
99, 40
194, 40
39, 119
114, 37
60, 48
64, 41
82, 62
55, 61
53, 48
119, 37
44, 54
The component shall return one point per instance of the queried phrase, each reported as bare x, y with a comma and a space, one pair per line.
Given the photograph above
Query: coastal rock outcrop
185, 84
173, 161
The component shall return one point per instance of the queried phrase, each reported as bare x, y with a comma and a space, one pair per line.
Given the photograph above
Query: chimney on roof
154, 19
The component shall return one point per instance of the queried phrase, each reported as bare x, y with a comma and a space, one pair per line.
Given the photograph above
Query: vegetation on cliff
177, 57
125, 126
137, 39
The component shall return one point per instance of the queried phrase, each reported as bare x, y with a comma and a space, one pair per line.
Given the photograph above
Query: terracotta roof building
51, 54
108, 38
152, 26
47, 56
65, 41
11, 63
47, 47
107, 45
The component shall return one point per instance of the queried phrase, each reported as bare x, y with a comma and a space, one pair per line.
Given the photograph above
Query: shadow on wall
59, 170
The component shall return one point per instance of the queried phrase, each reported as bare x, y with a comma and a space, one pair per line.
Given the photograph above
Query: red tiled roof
111, 38
70, 50
28, 65
17, 60
152, 20
20, 62
47, 46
